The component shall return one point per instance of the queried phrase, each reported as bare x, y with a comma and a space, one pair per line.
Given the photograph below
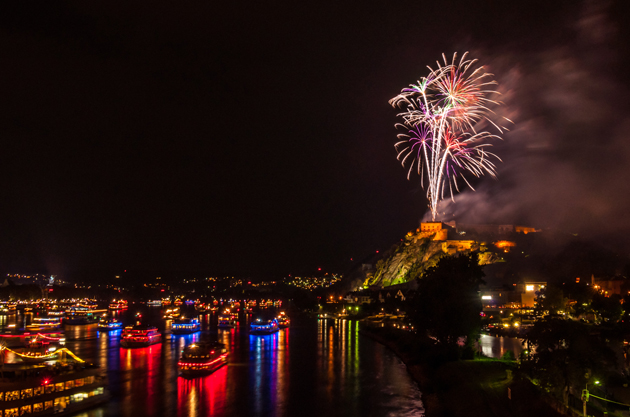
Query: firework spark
440, 116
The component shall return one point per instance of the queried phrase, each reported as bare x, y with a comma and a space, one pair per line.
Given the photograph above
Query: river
497, 346
314, 368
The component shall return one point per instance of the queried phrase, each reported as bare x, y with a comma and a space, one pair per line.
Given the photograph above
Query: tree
553, 300
448, 305
566, 351
609, 308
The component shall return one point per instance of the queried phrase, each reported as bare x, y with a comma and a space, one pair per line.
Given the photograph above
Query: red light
376, 251
319, 269
46, 382
162, 290
50, 290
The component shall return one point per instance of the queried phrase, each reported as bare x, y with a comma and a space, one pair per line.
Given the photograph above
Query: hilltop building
453, 234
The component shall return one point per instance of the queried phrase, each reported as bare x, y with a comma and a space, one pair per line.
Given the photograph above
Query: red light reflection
202, 396
143, 365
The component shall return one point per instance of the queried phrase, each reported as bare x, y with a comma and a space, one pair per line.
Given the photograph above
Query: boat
283, 320
51, 339
39, 354
227, 319
202, 358
39, 347
61, 384
44, 323
82, 315
171, 313
185, 326
155, 303
109, 323
263, 327
56, 311
89, 304
140, 335
202, 308
118, 305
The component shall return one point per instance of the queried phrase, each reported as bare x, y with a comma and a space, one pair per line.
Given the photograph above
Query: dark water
314, 368
497, 346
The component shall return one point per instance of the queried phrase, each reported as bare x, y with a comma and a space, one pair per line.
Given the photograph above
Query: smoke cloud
565, 161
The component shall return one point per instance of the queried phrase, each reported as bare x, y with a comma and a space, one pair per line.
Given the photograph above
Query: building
609, 286
520, 295
529, 292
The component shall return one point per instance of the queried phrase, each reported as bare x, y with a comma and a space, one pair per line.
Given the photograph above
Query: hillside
549, 256
406, 261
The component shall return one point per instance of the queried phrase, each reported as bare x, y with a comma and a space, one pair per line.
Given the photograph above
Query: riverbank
480, 387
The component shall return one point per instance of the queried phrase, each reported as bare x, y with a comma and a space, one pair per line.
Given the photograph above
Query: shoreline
465, 387
415, 370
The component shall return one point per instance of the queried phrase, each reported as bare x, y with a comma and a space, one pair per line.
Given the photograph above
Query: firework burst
441, 116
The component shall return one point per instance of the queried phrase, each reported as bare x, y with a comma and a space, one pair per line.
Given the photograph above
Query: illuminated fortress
440, 231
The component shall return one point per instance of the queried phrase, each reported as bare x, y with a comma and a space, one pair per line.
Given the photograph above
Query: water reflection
314, 368
264, 372
203, 396
497, 346
141, 378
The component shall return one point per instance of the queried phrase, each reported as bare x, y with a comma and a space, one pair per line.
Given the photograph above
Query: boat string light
50, 355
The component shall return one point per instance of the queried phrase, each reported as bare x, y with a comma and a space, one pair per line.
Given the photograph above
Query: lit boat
38, 354
39, 348
89, 304
202, 307
61, 384
283, 321
118, 305
185, 326
53, 339
81, 315
155, 303
202, 358
109, 323
171, 313
56, 311
140, 335
227, 319
44, 323
262, 327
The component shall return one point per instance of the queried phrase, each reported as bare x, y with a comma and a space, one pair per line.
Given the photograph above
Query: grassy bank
455, 388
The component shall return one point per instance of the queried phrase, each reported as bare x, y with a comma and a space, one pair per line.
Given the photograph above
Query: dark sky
256, 137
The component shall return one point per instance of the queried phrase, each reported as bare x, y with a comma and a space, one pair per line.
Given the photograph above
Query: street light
585, 395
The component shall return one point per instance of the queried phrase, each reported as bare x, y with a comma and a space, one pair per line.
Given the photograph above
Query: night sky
256, 137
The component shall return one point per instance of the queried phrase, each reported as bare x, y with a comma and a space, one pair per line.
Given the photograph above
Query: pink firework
441, 115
